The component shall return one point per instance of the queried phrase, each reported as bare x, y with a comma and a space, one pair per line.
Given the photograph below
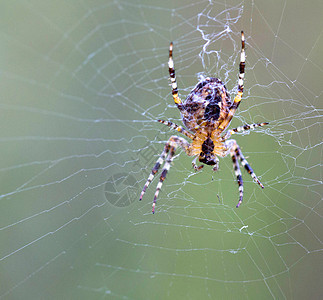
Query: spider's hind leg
237, 98
172, 76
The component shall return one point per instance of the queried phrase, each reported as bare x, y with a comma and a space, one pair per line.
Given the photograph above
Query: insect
206, 113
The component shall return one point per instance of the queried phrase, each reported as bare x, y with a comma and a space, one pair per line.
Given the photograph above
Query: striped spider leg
235, 151
241, 129
236, 155
238, 97
174, 142
167, 155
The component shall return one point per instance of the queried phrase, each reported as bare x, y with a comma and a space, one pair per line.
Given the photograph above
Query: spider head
207, 156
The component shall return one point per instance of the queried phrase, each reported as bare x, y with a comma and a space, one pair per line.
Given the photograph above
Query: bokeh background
81, 87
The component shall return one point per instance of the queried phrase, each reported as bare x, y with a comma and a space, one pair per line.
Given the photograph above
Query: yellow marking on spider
177, 100
238, 97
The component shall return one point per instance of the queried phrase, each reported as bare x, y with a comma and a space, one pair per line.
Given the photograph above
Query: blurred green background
81, 85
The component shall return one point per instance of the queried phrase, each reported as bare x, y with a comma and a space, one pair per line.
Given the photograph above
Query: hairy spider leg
237, 98
237, 172
246, 165
169, 151
248, 127
177, 128
166, 167
186, 133
172, 76
242, 128
155, 169
235, 151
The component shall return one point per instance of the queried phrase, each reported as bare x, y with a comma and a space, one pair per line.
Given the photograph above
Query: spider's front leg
168, 153
236, 155
237, 172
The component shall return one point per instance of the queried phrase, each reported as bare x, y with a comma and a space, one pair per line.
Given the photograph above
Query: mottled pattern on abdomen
207, 103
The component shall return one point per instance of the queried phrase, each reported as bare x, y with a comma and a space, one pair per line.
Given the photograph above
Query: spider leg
248, 127
172, 76
169, 151
241, 129
155, 169
246, 165
167, 165
178, 128
237, 98
238, 175
235, 151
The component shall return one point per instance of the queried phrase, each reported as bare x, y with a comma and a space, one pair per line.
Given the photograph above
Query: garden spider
207, 112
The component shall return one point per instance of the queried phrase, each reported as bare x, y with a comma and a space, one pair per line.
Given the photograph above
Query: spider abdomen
207, 103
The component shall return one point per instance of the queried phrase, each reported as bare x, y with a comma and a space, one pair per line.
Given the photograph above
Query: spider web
82, 86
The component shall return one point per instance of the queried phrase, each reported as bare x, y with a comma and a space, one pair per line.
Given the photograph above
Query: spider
206, 113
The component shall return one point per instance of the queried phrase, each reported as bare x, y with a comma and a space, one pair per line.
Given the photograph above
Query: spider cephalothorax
206, 113
207, 152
